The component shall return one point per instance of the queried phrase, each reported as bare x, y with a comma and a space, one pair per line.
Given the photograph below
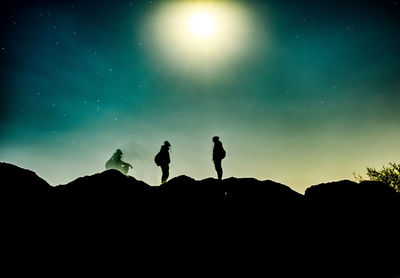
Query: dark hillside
111, 222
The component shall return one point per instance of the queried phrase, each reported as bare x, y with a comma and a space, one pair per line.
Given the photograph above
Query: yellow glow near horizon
185, 35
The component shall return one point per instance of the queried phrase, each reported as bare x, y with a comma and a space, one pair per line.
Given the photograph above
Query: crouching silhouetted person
162, 159
218, 154
115, 162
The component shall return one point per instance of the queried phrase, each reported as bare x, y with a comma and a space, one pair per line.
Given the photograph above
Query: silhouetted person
162, 159
218, 154
115, 162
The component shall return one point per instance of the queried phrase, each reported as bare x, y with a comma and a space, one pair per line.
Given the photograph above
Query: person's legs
218, 168
165, 173
124, 169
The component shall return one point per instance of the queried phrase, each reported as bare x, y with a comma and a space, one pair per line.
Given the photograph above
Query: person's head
215, 139
167, 144
118, 153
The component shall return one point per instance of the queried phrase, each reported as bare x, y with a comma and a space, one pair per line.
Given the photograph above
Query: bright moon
193, 36
202, 24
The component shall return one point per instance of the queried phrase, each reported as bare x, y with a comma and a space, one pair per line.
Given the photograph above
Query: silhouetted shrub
389, 175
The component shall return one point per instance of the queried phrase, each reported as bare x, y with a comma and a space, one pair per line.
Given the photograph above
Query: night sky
300, 92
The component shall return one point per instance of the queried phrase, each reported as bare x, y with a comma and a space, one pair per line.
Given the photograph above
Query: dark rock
16, 180
335, 229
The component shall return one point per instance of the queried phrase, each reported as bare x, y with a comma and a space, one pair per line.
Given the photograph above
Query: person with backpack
162, 159
115, 162
218, 154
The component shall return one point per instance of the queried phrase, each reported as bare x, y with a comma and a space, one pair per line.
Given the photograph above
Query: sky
299, 92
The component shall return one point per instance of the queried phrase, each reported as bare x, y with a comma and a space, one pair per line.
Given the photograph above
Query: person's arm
126, 164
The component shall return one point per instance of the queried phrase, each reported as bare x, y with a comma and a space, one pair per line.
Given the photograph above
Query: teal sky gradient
314, 97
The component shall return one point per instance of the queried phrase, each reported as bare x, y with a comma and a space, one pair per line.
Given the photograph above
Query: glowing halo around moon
187, 35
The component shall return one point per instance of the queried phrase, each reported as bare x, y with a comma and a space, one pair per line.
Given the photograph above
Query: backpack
223, 153
157, 159
109, 164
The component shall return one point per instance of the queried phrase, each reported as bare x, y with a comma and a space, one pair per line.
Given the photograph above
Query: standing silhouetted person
115, 162
218, 154
162, 159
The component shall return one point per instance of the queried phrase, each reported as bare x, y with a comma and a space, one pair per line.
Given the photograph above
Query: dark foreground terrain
109, 223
